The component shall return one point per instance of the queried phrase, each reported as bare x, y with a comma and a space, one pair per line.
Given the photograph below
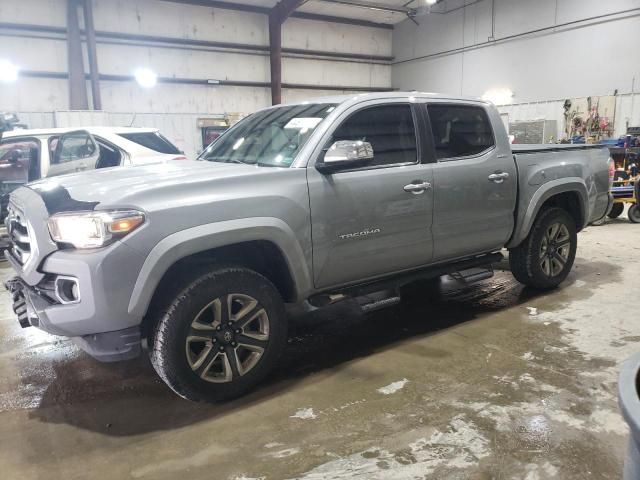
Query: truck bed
553, 147
542, 169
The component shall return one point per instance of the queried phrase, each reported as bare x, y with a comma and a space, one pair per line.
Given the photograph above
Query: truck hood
142, 186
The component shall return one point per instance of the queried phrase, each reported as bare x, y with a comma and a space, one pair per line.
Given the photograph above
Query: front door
476, 180
75, 152
375, 219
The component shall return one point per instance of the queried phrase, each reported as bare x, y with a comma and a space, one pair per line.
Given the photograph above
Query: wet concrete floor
491, 381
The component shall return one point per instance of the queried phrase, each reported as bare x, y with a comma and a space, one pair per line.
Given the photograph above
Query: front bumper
32, 306
81, 294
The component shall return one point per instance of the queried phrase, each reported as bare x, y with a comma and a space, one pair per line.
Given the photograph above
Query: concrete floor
491, 381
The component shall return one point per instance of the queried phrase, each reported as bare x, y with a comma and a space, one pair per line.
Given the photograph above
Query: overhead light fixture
431, 2
8, 71
498, 96
146, 77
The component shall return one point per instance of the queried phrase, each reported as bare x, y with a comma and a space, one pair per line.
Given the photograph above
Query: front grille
18, 231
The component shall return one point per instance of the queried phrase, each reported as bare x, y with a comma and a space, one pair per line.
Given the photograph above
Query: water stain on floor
486, 381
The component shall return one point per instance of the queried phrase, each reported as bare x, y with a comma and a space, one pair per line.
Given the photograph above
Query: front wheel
634, 213
220, 336
546, 256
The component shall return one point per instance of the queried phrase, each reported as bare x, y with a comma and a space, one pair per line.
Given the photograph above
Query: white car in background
28, 155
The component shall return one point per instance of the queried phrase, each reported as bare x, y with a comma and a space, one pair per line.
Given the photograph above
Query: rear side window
460, 130
152, 140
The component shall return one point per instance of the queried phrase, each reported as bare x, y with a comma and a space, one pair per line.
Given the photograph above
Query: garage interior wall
544, 51
175, 107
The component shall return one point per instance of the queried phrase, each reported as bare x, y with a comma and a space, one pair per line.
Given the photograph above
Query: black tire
535, 265
634, 213
616, 210
186, 335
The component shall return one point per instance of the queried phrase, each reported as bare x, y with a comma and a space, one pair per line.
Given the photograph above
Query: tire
616, 210
202, 359
533, 263
634, 213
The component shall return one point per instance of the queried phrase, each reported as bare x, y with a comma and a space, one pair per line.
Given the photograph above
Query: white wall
472, 50
153, 17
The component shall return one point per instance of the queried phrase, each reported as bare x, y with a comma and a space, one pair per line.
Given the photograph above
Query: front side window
270, 138
460, 130
389, 129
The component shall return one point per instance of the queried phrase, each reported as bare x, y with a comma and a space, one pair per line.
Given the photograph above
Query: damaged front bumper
30, 304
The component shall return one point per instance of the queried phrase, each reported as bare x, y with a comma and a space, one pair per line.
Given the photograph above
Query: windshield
270, 138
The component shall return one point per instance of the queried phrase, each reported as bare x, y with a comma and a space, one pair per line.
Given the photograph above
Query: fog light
67, 290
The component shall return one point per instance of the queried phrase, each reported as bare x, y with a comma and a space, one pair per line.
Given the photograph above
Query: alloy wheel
555, 249
227, 338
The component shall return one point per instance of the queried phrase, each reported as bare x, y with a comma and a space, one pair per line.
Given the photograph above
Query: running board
472, 275
396, 281
378, 300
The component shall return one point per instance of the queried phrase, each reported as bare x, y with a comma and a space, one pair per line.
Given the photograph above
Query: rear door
75, 152
475, 180
373, 220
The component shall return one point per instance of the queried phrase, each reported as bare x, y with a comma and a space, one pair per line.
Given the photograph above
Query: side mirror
345, 154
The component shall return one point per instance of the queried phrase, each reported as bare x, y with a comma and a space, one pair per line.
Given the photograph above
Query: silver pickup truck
306, 204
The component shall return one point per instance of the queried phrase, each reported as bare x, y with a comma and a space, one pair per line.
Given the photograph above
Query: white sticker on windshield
302, 123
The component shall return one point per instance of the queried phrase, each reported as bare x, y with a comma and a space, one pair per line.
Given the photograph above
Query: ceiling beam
302, 15
380, 7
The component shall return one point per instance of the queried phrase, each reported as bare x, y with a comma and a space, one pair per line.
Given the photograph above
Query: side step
472, 275
383, 292
378, 300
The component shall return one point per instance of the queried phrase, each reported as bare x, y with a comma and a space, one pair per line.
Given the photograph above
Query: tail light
180, 157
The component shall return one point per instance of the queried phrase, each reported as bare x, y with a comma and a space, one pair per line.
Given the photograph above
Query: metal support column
94, 73
277, 17
77, 87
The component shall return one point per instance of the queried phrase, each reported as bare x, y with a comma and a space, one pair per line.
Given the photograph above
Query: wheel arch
266, 245
568, 194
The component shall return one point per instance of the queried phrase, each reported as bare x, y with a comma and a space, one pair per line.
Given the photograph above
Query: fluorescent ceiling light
146, 77
431, 2
8, 71
498, 96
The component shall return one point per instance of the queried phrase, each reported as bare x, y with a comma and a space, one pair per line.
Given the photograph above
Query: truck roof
59, 131
355, 98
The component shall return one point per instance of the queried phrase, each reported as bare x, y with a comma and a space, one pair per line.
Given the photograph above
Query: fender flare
544, 193
213, 235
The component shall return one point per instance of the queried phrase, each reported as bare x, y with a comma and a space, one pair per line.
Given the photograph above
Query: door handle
417, 188
498, 177
81, 167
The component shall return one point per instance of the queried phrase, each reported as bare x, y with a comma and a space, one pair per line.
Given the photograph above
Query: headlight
93, 229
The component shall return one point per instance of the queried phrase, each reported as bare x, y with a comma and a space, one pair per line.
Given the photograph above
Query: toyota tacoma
304, 204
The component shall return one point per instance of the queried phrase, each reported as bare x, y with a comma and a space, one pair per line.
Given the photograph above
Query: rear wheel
546, 256
616, 210
220, 336
634, 213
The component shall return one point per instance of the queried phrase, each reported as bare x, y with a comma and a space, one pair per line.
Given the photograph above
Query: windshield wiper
226, 160
235, 160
